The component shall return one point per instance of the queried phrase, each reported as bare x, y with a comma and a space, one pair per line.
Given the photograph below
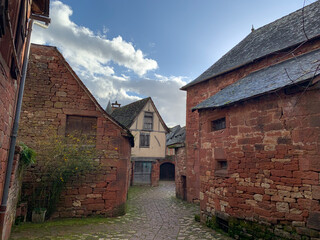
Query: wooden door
142, 173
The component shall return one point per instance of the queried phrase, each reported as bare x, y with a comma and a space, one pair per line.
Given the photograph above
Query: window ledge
221, 173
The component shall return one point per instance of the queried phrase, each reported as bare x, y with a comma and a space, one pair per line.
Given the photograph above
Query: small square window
221, 168
222, 165
144, 140
218, 124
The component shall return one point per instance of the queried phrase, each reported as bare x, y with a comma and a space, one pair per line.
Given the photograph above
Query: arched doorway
167, 171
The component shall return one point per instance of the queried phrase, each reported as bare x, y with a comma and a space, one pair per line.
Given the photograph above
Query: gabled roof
125, 130
270, 79
127, 114
283, 33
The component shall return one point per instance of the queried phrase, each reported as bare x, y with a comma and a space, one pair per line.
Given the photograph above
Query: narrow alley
153, 213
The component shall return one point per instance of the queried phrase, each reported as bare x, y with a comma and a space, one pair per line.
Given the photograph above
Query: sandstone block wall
272, 148
180, 169
52, 93
261, 138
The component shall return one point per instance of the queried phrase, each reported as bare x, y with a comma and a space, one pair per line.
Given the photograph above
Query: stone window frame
144, 142
218, 124
221, 164
221, 171
217, 116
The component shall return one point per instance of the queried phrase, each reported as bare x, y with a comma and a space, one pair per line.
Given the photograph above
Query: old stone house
176, 150
16, 19
149, 131
253, 127
56, 98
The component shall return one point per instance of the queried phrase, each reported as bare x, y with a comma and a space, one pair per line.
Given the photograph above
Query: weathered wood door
142, 173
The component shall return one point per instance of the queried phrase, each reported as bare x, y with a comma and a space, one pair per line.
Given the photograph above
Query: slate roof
128, 113
267, 80
280, 34
179, 136
109, 108
172, 132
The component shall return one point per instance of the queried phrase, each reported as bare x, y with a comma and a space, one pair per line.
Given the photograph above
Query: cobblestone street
153, 213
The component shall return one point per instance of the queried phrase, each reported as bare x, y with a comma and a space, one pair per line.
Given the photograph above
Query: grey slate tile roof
269, 79
127, 114
172, 132
179, 136
280, 34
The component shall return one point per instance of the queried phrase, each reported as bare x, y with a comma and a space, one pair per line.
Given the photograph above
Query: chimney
115, 105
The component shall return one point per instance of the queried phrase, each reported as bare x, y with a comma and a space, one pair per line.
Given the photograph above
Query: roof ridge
278, 35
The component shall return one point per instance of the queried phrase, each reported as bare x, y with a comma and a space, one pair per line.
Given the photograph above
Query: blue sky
125, 50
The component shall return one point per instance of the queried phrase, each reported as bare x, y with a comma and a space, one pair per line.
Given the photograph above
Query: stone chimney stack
115, 105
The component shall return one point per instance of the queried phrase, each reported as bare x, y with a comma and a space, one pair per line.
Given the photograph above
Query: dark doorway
167, 171
184, 187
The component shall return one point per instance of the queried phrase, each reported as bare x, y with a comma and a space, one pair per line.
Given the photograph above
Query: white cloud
89, 48
91, 55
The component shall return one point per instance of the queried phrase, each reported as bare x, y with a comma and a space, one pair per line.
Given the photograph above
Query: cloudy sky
126, 50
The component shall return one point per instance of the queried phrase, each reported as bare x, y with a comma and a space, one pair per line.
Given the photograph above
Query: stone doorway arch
167, 171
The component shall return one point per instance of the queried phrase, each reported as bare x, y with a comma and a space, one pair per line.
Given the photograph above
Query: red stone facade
53, 92
271, 144
201, 91
14, 26
181, 173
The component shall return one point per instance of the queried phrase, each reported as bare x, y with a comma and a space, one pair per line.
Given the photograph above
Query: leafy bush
61, 158
27, 155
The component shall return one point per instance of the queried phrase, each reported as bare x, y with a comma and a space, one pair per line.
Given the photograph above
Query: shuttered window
20, 38
81, 125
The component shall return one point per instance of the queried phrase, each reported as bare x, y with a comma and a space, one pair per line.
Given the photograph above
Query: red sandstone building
176, 151
253, 127
16, 19
56, 98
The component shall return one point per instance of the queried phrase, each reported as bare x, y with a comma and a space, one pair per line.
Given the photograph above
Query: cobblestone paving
153, 214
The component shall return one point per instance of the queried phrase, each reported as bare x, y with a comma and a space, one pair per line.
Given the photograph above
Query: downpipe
14, 133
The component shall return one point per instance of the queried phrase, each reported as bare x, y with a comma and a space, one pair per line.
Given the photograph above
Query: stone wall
52, 92
271, 144
180, 168
9, 87
155, 173
203, 90
14, 191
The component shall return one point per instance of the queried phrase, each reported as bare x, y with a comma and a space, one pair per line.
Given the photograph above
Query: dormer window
148, 121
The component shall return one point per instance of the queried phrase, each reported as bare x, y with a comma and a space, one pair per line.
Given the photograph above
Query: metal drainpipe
14, 132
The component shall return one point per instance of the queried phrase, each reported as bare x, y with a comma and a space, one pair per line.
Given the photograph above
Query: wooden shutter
79, 125
20, 38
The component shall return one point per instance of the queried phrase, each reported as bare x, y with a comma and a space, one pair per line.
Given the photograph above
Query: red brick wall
8, 90
155, 174
272, 147
52, 93
202, 91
